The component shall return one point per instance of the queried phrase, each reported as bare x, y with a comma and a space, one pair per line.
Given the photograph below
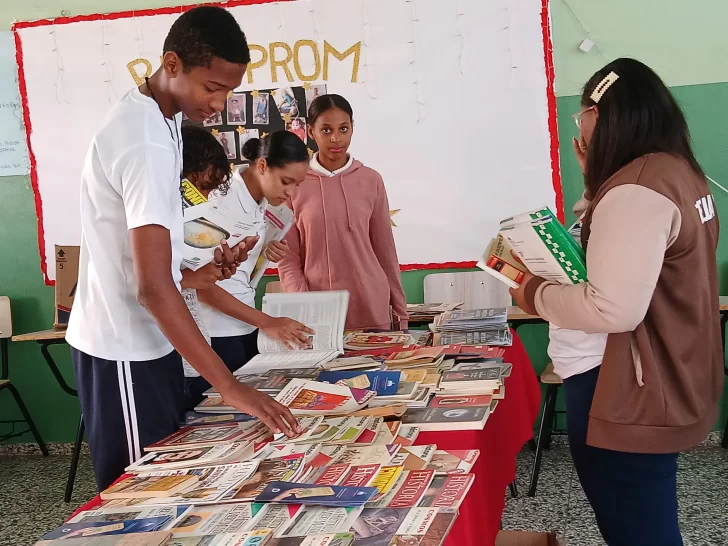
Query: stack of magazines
473, 327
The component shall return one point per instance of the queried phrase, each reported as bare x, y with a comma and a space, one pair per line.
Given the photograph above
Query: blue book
385, 383
100, 528
301, 493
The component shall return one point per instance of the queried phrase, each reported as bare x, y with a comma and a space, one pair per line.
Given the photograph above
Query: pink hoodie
342, 240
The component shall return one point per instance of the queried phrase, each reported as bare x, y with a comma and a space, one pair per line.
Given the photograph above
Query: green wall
683, 42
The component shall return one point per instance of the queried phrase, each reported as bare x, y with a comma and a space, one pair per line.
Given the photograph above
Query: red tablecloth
505, 433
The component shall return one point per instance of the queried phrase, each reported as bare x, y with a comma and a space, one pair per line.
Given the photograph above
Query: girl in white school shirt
278, 164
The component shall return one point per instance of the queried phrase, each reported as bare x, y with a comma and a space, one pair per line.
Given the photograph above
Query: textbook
499, 261
301, 493
453, 461
437, 419
278, 222
144, 487
153, 538
322, 312
189, 458
545, 246
70, 530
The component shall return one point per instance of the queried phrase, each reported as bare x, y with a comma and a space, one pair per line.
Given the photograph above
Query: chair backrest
476, 289
6, 324
274, 287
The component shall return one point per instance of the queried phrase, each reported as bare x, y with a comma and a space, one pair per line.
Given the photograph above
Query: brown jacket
651, 235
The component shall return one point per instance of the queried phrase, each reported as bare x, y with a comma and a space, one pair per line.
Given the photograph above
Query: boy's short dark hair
200, 152
205, 32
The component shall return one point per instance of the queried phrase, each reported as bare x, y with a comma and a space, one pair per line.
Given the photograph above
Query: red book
361, 476
448, 491
413, 488
333, 475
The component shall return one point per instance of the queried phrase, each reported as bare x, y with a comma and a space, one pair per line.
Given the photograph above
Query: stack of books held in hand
536, 242
473, 327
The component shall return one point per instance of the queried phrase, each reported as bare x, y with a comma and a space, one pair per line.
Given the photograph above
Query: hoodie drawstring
346, 203
326, 230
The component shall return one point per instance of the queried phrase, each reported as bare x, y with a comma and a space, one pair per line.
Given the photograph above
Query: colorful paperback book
300, 493
408, 491
448, 491
458, 418
369, 434
214, 482
276, 517
254, 538
453, 461
402, 527
356, 341
385, 479
278, 222
71, 530
328, 429
407, 435
193, 418
149, 486
214, 520
113, 515
308, 425
384, 383
309, 452
499, 261
269, 470
361, 455
153, 538
327, 456
361, 476
339, 539
414, 457
319, 520
386, 433
206, 436
329, 475
304, 397
190, 458
353, 431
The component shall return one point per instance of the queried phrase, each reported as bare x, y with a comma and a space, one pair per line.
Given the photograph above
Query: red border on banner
550, 97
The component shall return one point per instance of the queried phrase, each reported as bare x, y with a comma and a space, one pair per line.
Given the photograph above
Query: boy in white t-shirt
128, 316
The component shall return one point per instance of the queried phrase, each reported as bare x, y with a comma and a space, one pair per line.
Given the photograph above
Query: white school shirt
252, 214
130, 179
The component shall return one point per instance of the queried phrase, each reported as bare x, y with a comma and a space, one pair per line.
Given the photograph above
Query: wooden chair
548, 419
476, 289
6, 332
274, 287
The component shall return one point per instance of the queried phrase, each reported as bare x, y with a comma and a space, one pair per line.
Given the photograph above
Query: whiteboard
453, 104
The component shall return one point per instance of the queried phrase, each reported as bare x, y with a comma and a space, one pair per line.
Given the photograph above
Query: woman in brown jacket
650, 235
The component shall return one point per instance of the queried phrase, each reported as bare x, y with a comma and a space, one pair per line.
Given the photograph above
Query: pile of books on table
343, 481
426, 312
473, 327
352, 477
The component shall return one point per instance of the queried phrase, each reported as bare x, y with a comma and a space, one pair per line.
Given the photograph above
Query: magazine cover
300, 493
453, 461
447, 491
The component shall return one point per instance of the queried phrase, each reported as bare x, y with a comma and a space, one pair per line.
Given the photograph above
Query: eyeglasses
579, 115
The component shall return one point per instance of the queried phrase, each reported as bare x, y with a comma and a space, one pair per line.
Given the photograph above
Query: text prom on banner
453, 104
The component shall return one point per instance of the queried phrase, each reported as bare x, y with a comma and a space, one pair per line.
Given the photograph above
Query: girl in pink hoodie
342, 238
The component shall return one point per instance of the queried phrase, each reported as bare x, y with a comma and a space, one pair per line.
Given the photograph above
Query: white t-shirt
252, 214
573, 352
130, 179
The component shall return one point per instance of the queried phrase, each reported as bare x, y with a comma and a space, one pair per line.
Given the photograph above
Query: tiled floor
560, 504
31, 497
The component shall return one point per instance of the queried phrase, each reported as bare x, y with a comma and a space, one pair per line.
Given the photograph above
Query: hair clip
605, 84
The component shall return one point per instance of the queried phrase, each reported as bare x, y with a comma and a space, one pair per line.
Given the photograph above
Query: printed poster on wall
453, 105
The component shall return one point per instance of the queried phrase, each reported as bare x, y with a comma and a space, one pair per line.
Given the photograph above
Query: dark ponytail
323, 103
278, 148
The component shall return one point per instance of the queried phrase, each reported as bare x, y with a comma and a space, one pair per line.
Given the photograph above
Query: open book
323, 312
278, 221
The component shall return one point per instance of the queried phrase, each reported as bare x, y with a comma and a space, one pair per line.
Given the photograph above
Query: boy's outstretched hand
290, 333
275, 416
203, 278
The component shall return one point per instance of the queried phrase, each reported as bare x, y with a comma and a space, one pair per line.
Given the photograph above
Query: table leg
74, 460
723, 321
44, 345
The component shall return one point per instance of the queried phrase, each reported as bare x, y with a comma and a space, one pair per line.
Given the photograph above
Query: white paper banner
450, 103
